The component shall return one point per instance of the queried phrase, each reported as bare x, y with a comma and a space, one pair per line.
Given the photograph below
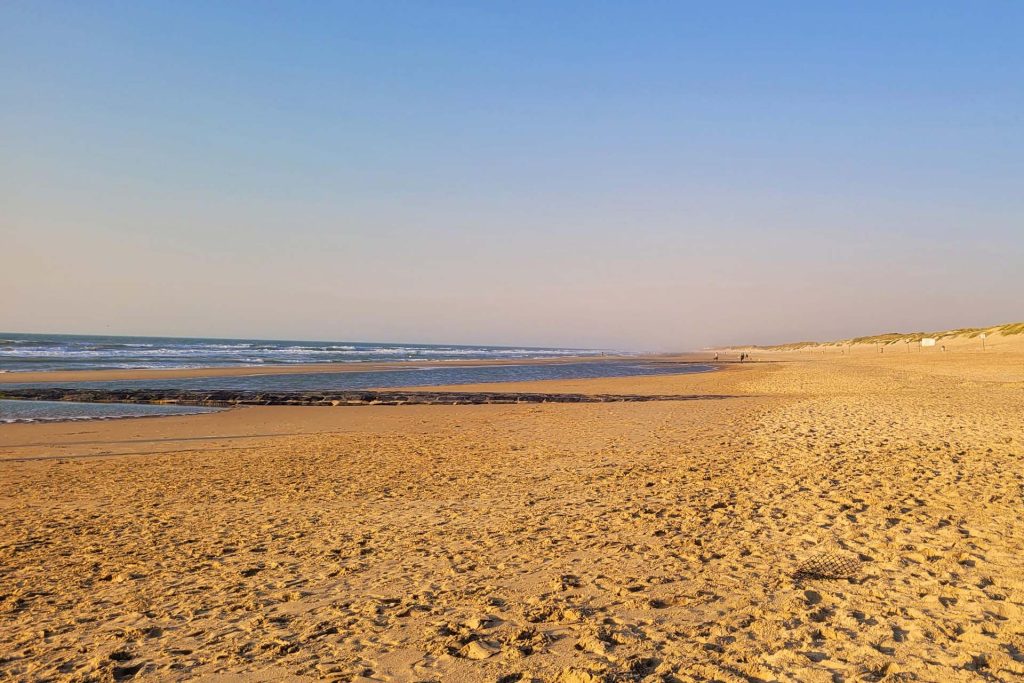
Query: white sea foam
62, 352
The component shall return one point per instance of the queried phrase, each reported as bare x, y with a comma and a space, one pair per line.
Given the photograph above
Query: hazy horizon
651, 176
266, 339
401, 342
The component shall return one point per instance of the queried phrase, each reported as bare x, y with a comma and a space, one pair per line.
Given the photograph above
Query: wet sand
650, 541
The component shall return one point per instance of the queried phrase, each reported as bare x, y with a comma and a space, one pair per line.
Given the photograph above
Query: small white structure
928, 341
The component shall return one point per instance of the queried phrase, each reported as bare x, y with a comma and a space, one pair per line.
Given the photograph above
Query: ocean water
399, 377
25, 352
52, 411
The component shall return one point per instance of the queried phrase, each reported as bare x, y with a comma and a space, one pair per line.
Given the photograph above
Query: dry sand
656, 541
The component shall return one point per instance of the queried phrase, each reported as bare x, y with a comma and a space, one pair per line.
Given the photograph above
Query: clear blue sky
634, 175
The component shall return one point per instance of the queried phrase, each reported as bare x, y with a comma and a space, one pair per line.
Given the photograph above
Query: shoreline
254, 418
27, 376
91, 418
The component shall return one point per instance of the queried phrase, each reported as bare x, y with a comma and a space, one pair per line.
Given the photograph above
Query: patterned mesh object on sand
828, 565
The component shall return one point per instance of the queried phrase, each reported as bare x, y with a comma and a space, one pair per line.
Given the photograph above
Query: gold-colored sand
654, 541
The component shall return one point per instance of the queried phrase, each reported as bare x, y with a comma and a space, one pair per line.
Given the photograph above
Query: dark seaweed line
329, 398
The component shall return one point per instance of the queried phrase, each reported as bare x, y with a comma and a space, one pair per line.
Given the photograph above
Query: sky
624, 175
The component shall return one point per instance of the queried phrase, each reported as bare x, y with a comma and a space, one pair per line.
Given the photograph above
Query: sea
25, 352
60, 411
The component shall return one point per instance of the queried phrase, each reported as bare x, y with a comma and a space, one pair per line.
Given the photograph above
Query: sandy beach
842, 518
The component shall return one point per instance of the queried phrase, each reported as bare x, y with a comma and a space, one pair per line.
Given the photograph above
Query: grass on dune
889, 338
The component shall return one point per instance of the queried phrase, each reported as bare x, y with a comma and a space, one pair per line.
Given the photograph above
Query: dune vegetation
1008, 329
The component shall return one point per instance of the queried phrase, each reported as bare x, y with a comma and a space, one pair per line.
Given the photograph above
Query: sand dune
1006, 337
656, 541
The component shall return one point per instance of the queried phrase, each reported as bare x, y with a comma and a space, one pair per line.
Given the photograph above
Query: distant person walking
716, 356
